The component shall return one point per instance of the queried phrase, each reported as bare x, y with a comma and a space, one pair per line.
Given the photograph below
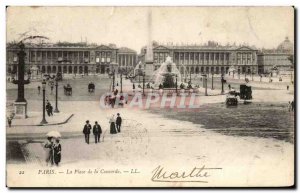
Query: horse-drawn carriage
91, 87
68, 90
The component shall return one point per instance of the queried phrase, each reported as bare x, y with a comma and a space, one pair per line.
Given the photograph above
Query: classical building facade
210, 58
72, 58
279, 60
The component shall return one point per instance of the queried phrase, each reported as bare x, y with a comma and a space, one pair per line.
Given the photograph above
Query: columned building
211, 58
78, 59
277, 61
127, 59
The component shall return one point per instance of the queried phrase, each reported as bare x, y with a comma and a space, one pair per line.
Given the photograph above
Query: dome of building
286, 45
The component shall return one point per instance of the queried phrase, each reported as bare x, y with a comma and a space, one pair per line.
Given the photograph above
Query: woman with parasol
53, 150
112, 125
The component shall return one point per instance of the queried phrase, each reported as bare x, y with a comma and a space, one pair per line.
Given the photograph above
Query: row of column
204, 69
244, 58
127, 60
81, 56
63, 69
203, 58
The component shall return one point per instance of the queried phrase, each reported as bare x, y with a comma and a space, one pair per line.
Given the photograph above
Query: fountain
166, 75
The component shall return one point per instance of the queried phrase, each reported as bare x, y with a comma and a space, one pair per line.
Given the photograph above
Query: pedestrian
116, 92
39, 89
48, 108
133, 87
49, 151
86, 131
118, 122
112, 125
287, 87
229, 86
292, 105
97, 132
9, 120
57, 152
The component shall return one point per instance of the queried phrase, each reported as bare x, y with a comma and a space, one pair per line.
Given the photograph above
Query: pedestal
20, 110
149, 69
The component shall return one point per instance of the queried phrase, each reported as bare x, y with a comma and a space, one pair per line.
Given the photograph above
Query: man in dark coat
86, 131
48, 108
97, 132
118, 122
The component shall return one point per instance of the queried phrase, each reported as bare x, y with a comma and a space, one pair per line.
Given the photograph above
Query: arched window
86, 70
48, 69
65, 69
43, 69
70, 69
54, 69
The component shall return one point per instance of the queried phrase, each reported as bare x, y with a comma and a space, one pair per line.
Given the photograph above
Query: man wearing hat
118, 122
97, 132
86, 131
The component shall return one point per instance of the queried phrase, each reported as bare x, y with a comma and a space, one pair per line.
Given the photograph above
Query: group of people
115, 124
115, 127
97, 131
53, 151
114, 97
49, 109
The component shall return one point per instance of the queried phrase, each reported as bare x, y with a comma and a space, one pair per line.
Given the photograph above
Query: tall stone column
20, 104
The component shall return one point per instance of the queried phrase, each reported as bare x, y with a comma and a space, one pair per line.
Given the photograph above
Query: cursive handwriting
193, 175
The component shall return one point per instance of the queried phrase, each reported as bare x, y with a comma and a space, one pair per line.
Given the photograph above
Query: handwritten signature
160, 174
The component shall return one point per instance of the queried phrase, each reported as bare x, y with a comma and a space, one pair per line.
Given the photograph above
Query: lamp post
222, 81
176, 82
190, 77
56, 95
205, 77
143, 83
121, 82
212, 81
113, 84
44, 91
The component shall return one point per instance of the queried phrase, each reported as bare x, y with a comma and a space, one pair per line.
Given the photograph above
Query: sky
263, 27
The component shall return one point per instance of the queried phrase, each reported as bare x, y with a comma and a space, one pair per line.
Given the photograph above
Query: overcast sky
127, 26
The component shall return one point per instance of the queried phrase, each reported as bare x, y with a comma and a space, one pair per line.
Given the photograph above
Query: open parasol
54, 134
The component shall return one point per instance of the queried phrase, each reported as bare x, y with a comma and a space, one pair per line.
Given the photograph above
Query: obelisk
149, 67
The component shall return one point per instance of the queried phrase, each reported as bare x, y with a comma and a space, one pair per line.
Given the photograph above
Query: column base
20, 110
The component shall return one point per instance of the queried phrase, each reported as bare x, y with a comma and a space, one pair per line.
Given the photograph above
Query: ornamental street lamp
205, 83
222, 81
121, 82
212, 81
205, 77
143, 83
56, 95
44, 105
176, 82
113, 83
